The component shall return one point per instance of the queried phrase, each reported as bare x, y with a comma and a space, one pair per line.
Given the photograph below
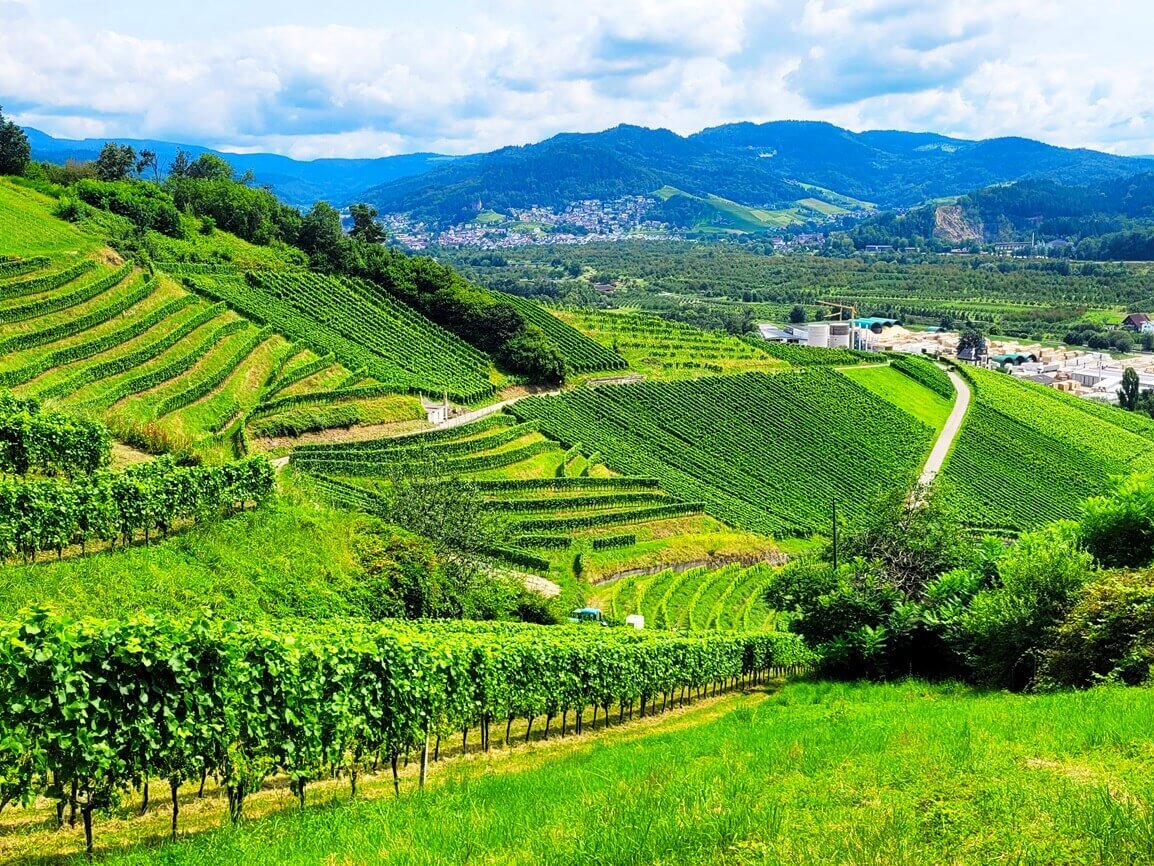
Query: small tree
797, 315
147, 160
1128, 393
15, 152
365, 225
972, 338
116, 161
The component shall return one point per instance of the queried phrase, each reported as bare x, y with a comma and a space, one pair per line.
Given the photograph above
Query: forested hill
1110, 219
769, 165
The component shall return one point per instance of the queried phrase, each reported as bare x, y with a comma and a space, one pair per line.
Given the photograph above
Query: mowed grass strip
816, 773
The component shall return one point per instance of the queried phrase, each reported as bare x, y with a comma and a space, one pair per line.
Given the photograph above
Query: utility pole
835, 534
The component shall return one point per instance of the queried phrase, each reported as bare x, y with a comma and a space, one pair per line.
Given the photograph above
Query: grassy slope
899, 389
814, 774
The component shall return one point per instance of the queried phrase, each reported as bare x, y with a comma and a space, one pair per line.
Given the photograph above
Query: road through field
949, 432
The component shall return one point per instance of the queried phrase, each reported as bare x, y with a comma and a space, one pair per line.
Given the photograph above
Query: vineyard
364, 329
1028, 455
581, 354
179, 701
728, 599
558, 508
667, 350
766, 453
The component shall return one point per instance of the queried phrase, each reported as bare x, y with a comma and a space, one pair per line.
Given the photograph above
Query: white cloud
459, 77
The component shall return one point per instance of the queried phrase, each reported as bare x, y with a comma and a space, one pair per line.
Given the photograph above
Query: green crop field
729, 598
668, 350
766, 453
1028, 455
813, 773
581, 353
366, 330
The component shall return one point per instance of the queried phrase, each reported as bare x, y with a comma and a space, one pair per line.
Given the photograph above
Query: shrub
1107, 635
1118, 529
1009, 624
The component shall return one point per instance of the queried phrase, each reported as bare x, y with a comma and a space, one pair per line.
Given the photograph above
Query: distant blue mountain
296, 182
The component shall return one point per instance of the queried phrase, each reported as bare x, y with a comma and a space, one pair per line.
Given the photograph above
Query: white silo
819, 335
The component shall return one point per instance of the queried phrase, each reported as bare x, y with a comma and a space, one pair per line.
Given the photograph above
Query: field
667, 350
364, 329
700, 598
1028, 455
560, 510
812, 773
582, 354
895, 387
765, 453
27, 227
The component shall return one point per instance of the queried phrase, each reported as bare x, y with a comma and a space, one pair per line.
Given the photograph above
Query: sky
340, 78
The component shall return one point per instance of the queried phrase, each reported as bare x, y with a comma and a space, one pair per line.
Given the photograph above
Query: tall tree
972, 338
1128, 393
15, 152
365, 225
148, 159
181, 163
116, 161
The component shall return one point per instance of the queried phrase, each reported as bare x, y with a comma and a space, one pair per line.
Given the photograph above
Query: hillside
771, 167
1111, 219
1028, 455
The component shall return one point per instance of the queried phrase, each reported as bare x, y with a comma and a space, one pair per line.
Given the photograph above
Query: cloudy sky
338, 78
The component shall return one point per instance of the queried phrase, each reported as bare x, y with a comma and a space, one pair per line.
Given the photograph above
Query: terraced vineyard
1028, 455
766, 453
554, 503
668, 350
729, 598
364, 329
581, 354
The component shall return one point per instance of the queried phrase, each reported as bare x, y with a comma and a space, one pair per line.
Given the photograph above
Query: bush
1108, 635
1118, 529
1009, 624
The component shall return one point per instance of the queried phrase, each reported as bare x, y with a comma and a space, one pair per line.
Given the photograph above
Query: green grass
284, 560
899, 389
27, 227
816, 773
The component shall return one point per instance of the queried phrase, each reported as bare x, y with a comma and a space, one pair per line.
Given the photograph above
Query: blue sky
339, 78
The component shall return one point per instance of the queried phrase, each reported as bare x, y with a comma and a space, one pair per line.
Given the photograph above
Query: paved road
949, 432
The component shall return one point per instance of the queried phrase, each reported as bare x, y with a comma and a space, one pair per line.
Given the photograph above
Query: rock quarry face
950, 224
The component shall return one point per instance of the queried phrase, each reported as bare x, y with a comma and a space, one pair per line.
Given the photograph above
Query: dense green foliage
49, 514
812, 774
1113, 219
762, 452
729, 598
15, 152
174, 700
1017, 297
808, 356
50, 443
581, 354
925, 373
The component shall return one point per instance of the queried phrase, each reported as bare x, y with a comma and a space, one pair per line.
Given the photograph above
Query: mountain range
773, 166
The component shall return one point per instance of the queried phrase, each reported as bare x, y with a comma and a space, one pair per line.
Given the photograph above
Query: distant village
581, 222
1096, 375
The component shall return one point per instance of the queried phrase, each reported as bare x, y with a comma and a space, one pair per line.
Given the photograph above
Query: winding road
949, 432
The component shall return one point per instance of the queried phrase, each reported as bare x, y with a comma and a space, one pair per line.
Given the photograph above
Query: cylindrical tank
819, 335
839, 336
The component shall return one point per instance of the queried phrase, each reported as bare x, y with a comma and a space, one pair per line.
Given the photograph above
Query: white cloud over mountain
347, 79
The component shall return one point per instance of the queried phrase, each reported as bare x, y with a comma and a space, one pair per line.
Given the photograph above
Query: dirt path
949, 432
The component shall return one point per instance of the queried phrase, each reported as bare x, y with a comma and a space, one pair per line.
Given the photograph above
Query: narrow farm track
953, 426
